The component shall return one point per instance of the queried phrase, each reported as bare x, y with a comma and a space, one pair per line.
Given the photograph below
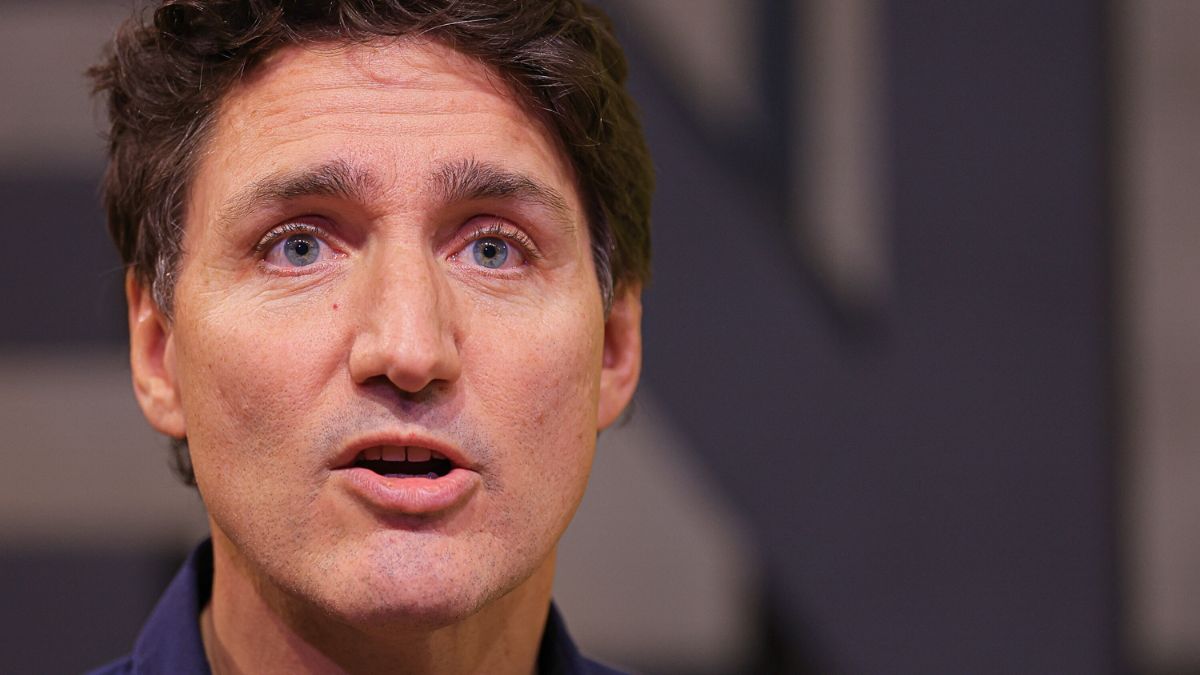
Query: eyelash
498, 228
276, 233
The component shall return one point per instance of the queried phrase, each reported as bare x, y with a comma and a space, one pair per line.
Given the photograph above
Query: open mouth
403, 462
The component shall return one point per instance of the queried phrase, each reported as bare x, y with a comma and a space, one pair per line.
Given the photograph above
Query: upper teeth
400, 453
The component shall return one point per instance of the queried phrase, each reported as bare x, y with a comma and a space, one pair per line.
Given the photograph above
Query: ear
622, 354
152, 360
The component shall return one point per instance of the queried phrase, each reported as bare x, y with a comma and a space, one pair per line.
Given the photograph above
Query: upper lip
345, 458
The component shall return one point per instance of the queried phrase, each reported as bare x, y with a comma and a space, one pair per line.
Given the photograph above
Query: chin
428, 592
427, 607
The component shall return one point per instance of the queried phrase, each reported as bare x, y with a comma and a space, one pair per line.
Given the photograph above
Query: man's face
385, 257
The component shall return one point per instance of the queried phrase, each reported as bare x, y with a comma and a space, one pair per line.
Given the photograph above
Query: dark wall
932, 486
63, 279
69, 610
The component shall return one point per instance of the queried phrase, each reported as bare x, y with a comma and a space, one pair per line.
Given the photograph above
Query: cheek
542, 367
247, 378
538, 399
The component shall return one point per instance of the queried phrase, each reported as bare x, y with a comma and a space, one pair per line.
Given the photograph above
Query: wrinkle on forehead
410, 62
343, 77
275, 102
422, 60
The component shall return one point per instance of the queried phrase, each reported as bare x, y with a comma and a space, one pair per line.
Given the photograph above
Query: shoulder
169, 641
559, 655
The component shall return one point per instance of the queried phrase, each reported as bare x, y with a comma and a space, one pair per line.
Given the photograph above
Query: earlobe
622, 363
152, 360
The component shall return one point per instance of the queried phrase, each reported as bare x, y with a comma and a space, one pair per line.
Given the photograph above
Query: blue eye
302, 249
490, 252
295, 246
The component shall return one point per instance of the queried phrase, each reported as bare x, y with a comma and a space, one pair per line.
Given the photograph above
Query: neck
250, 626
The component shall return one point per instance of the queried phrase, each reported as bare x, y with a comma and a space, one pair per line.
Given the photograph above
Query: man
385, 262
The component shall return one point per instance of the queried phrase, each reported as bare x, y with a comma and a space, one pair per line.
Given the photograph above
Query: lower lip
412, 496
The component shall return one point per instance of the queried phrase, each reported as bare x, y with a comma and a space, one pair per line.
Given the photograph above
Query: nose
408, 326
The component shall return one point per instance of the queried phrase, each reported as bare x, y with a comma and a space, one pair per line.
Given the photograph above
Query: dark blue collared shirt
170, 641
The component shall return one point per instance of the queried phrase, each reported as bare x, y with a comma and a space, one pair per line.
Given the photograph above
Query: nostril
387, 390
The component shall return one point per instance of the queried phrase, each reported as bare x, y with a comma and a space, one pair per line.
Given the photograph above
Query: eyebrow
453, 182
336, 178
468, 180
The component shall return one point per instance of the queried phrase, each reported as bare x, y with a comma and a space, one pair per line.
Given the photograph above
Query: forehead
397, 107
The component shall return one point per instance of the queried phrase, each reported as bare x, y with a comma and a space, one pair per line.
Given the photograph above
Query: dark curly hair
167, 69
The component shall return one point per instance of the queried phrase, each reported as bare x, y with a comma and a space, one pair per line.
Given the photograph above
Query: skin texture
274, 372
